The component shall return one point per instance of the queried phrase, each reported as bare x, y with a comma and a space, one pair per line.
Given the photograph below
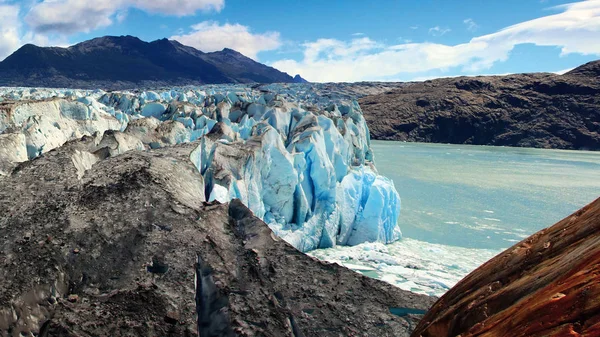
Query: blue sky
335, 40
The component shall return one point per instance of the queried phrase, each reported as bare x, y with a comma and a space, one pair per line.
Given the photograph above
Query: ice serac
303, 164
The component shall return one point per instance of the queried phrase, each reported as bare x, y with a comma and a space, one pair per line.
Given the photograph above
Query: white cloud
121, 16
9, 29
177, 7
471, 25
437, 31
574, 30
210, 36
13, 34
73, 16
70, 16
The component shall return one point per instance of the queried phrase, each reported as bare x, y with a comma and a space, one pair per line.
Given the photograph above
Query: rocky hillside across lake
117, 62
526, 110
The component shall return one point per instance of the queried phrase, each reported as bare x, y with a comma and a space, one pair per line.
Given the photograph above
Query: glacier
300, 161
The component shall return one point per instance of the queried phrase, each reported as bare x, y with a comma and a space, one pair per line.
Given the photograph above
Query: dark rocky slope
528, 110
546, 285
115, 62
128, 247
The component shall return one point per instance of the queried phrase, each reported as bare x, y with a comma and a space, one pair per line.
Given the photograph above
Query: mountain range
116, 62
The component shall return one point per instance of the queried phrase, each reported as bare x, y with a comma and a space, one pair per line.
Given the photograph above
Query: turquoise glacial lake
485, 196
463, 204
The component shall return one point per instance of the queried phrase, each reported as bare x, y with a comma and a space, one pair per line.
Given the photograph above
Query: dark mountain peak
29, 56
110, 40
164, 42
108, 43
230, 51
299, 79
126, 62
247, 69
27, 49
162, 45
176, 43
29, 46
590, 69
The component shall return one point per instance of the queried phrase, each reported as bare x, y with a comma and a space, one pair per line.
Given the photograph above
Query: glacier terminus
300, 161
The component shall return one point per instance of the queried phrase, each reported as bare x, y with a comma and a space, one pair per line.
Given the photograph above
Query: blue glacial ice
303, 164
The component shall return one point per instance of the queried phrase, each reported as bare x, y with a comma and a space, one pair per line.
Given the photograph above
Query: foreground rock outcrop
528, 110
96, 245
546, 285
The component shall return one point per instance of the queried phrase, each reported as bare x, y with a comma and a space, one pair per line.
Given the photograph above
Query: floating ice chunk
219, 193
155, 110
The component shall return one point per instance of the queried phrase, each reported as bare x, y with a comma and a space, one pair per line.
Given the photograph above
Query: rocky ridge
125, 245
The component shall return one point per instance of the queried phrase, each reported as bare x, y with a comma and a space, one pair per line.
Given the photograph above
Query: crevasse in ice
302, 164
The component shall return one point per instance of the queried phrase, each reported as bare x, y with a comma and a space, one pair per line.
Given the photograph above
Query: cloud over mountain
211, 36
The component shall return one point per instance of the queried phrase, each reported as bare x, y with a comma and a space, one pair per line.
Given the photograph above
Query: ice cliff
306, 170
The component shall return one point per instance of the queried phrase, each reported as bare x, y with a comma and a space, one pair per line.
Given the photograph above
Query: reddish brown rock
546, 285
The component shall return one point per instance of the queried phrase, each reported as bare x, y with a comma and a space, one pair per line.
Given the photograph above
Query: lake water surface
463, 204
